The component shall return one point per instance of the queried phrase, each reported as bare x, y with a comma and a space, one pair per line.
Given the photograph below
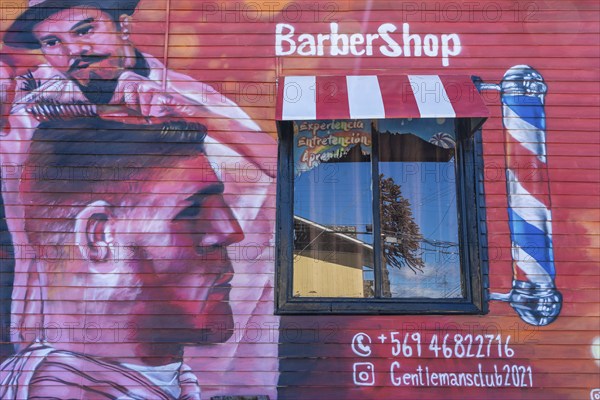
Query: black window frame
472, 234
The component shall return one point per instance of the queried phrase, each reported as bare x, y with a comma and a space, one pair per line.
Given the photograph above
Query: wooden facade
242, 49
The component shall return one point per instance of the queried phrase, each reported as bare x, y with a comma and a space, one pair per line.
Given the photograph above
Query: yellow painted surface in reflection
318, 278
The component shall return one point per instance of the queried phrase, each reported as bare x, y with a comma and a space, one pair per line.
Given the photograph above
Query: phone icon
361, 344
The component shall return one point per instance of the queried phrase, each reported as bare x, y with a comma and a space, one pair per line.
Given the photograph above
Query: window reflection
333, 238
334, 211
418, 209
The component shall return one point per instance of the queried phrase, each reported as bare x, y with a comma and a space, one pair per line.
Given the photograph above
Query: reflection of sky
335, 194
430, 189
340, 194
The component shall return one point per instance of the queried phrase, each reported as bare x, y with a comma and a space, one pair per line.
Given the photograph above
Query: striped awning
378, 97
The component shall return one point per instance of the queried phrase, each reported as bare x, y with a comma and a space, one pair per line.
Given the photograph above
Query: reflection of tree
401, 234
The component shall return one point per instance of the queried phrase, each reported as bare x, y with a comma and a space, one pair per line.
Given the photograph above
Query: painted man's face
177, 232
83, 43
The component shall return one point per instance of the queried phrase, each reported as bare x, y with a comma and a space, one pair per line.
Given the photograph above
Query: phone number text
448, 346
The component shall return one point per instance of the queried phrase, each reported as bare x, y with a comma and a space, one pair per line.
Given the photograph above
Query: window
379, 216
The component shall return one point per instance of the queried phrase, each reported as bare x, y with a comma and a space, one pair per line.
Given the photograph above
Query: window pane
333, 207
419, 221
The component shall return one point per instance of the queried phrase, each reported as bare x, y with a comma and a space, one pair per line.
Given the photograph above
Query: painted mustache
87, 60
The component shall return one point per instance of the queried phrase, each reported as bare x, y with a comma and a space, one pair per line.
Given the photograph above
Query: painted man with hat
94, 72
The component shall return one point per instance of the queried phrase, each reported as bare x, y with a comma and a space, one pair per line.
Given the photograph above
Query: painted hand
149, 98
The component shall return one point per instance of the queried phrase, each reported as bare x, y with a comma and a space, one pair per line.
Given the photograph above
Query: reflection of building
345, 229
409, 147
329, 263
405, 147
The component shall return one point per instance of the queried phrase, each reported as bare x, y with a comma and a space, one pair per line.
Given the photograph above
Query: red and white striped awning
378, 97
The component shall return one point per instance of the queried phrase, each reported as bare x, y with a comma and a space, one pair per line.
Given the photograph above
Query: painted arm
6, 86
180, 96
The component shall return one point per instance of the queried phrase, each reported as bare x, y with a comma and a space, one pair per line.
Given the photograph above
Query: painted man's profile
128, 220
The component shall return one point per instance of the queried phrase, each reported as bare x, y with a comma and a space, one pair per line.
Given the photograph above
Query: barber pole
534, 295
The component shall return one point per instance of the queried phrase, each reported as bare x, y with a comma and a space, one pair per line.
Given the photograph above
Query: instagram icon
364, 374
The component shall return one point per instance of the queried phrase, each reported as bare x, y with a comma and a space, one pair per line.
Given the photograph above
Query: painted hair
72, 161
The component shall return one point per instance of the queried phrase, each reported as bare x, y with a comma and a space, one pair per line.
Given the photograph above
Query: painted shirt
42, 370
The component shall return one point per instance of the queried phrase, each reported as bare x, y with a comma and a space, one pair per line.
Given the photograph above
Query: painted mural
105, 300
138, 213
